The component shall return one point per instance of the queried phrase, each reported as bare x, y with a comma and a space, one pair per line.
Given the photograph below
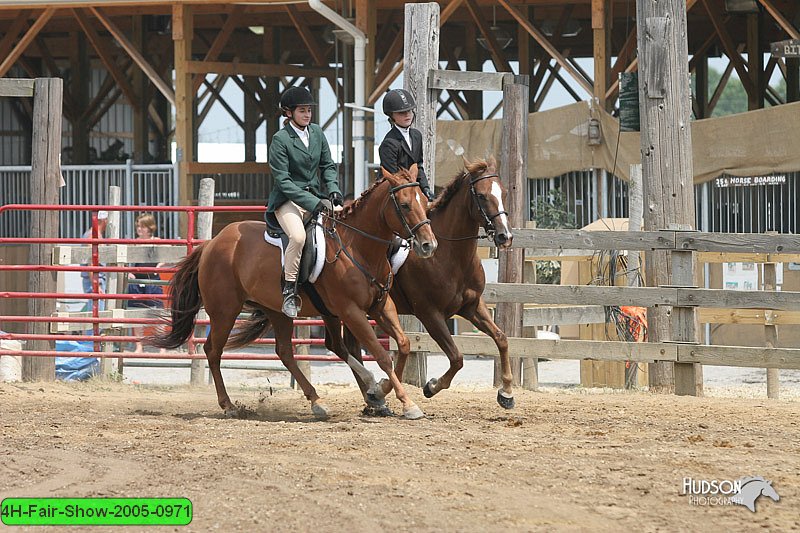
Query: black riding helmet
397, 101
295, 96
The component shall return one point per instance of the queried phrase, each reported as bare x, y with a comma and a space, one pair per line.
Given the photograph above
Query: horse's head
767, 490
489, 193
410, 221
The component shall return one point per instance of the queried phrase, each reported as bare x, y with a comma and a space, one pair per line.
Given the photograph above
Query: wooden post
114, 282
634, 264
666, 147
792, 79
367, 22
416, 369
205, 221
514, 170
141, 128
422, 55
755, 62
45, 182
182, 29
701, 86
688, 376
79, 89
771, 330
600, 28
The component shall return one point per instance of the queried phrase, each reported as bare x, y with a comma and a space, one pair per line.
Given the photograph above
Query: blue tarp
76, 368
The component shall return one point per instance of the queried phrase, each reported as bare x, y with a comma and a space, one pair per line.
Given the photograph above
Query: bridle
384, 288
412, 231
488, 221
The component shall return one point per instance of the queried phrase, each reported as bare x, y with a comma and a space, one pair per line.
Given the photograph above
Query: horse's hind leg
222, 322
283, 327
482, 319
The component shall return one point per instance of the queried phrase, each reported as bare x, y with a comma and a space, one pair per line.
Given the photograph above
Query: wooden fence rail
642, 352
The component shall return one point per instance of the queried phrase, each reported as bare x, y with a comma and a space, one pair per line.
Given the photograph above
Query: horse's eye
405, 207
481, 196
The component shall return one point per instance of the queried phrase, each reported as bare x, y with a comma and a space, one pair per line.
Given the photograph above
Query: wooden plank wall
13, 254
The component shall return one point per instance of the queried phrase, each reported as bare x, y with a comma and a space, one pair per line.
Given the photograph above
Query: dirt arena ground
561, 461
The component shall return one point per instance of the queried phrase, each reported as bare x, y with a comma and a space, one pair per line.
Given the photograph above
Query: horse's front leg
436, 326
355, 319
482, 319
364, 378
284, 327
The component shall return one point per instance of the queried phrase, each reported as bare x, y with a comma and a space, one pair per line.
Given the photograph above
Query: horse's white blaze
498, 193
419, 200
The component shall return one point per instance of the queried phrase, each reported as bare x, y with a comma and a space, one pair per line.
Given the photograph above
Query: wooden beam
224, 104
219, 82
13, 87
182, 33
313, 47
715, 16
723, 81
11, 35
501, 64
25, 41
382, 85
231, 21
601, 49
544, 43
137, 56
465, 81
106, 105
103, 51
787, 26
254, 69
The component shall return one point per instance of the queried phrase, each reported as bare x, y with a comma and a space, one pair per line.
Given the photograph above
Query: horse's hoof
383, 411
413, 413
231, 412
428, 389
505, 400
375, 397
320, 411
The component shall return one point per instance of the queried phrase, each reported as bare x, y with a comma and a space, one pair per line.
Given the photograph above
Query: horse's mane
478, 166
402, 173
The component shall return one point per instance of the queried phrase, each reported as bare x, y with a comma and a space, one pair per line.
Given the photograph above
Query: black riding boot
291, 302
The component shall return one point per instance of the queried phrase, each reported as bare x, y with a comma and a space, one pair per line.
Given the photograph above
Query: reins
412, 232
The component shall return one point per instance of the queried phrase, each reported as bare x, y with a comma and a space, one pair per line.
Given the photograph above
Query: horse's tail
186, 302
253, 328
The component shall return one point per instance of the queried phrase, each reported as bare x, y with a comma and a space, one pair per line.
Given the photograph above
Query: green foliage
551, 212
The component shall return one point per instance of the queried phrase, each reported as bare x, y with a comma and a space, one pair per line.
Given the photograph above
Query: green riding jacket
301, 175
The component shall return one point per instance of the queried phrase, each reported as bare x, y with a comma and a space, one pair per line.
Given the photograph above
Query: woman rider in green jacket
301, 165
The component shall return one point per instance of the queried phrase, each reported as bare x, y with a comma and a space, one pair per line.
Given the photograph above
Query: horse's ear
413, 172
385, 174
467, 162
492, 164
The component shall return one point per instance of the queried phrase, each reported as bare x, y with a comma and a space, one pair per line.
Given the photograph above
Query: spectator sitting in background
146, 229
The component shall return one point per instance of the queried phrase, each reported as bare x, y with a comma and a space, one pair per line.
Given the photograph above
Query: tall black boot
291, 302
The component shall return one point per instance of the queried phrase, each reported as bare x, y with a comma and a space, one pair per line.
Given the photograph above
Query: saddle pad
319, 261
398, 257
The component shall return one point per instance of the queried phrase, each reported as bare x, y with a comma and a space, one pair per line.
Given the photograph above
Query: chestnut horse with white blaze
452, 282
237, 269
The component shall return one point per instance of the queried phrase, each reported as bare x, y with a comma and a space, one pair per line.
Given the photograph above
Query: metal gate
143, 185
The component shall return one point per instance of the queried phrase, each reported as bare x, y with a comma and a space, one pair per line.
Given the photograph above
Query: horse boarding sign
749, 181
788, 48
